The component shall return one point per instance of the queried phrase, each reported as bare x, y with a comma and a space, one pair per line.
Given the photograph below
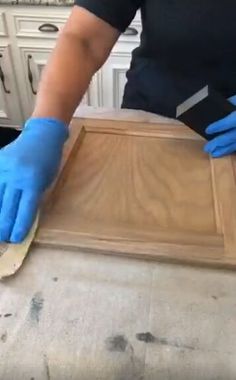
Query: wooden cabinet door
142, 190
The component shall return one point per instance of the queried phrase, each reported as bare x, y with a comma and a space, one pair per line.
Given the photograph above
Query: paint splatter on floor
117, 343
36, 306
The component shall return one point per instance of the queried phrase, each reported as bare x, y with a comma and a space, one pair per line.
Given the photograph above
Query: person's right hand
27, 167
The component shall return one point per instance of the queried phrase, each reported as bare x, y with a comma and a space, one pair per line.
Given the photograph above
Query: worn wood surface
145, 190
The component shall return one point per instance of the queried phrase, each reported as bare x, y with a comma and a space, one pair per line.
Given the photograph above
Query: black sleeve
117, 13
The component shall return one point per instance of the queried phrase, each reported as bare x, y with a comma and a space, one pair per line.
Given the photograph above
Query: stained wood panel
143, 190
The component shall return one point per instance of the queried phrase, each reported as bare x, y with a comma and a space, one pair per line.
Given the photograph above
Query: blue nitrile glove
225, 143
27, 167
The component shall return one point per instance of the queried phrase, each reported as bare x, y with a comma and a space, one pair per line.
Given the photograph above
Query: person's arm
83, 47
30, 163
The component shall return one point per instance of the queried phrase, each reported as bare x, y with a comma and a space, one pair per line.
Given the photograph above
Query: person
184, 46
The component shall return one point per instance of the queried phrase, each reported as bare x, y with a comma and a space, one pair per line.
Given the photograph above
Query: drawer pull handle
2, 77
49, 28
30, 75
130, 32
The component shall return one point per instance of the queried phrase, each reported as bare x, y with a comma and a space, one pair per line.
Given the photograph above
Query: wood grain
145, 190
225, 187
136, 181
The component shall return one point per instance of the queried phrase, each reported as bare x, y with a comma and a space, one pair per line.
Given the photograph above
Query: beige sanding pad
13, 255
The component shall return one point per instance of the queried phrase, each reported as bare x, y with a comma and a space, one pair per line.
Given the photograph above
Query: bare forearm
65, 79
82, 48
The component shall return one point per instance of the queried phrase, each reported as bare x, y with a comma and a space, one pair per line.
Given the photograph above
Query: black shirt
185, 44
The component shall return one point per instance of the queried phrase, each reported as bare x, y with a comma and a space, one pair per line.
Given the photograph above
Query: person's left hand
225, 143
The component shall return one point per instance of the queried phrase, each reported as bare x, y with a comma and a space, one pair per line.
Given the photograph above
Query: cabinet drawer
3, 25
133, 32
39, 26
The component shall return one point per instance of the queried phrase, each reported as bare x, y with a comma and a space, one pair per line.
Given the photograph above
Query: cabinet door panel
3, 24
113, 79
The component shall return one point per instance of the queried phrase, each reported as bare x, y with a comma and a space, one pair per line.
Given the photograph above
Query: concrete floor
69, 315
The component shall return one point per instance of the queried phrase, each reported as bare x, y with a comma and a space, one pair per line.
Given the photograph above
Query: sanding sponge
202, 109
13, 255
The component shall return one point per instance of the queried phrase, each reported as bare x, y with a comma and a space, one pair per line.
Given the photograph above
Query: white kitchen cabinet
33, 61
112, 76
10, 105
32, 33
113, 79
46, 23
